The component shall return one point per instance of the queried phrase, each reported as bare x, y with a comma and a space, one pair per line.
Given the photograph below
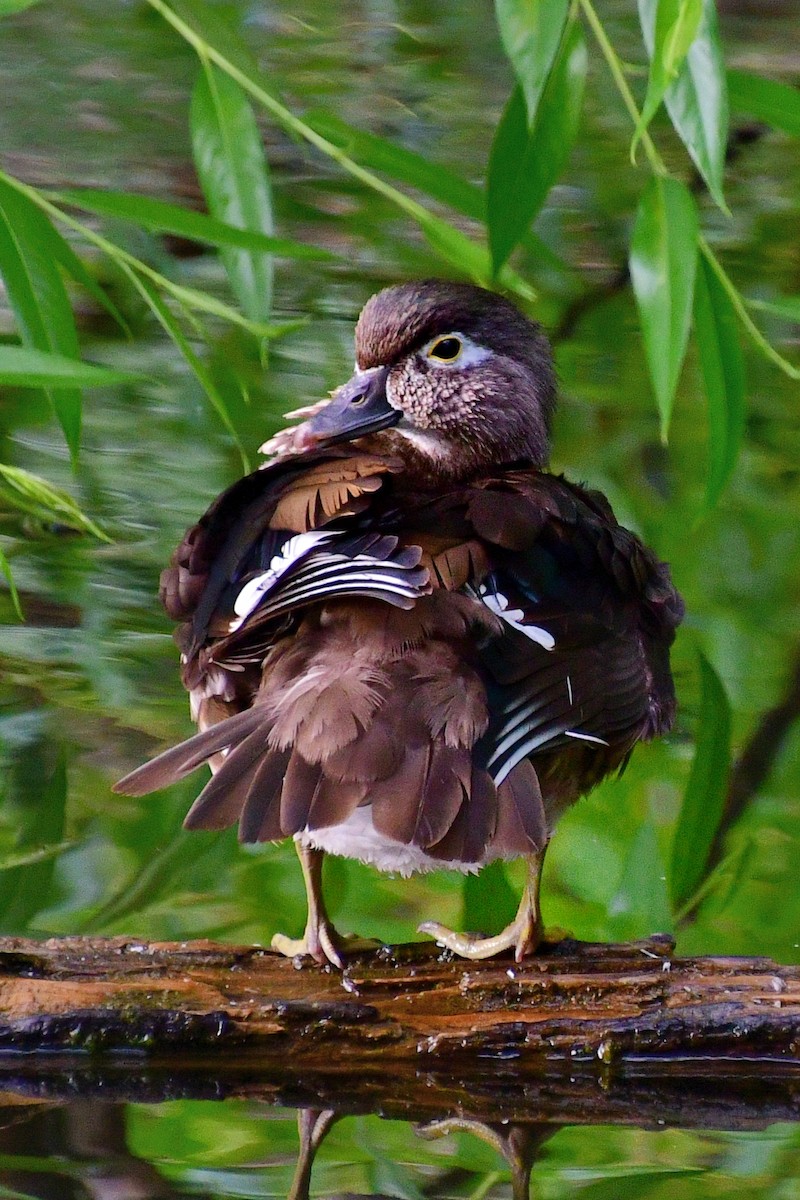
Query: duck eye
446, 349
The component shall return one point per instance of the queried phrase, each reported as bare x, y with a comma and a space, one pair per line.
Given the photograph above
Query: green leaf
631, 1183
38, 297
427, 177
663, 262
20, 367
65, 256
5, 568
722, 365
488, 900
697, 99
676, 25
34, 495
28, 858
777, 104
232, 168
787, 307
7, 7
740, 307
640, 899
530, 31
524, 163
405, 165
167, 321
213, 40
161, 217
36, 797
704, 798
156, 877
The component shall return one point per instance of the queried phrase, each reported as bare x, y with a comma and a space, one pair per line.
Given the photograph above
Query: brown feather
395, 801
212, 808
372, 757
180, 760
467, 562
521, 820
474, 826
260, 819
297, 793
326, 491
334, 801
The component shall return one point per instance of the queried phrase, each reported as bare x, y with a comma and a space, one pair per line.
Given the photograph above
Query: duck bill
359, 407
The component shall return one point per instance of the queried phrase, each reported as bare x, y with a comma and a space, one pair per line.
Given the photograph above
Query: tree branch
407, 1029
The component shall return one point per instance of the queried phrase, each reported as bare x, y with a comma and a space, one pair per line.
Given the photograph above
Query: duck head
450, 377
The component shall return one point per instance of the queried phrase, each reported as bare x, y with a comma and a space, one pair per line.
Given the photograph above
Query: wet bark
409, 1031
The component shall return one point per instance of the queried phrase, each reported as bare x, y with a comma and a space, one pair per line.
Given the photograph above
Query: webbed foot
320, 941
324, 944
524, 934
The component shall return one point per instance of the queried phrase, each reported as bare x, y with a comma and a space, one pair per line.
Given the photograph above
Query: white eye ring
469, 352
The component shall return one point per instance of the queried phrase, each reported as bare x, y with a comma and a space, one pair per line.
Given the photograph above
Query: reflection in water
313, 1125
81, 1149
87, 1149
515, 1143
57, 1152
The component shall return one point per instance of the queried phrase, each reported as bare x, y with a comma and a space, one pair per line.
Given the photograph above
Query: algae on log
411, 1030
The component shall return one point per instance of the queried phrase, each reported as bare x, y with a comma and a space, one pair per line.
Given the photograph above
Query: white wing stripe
497, 603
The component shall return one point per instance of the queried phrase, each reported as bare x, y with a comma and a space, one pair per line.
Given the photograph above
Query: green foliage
527, 158
39, 298
531, 33
766, 99
663, 264
687, 72
722, 366
704, 799
159, 216
42, 500
233, 173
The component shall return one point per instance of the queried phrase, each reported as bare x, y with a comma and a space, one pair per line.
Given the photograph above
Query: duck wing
580, 672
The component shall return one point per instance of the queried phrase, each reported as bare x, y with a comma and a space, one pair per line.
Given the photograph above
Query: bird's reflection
80, 1150
518, 1144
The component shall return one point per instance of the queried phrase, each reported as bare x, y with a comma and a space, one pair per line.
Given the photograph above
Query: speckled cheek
429, 401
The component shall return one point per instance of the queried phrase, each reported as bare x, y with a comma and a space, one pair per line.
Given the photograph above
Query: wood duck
404, 640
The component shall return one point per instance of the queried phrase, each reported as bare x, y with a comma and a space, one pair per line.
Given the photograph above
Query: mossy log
579, 1032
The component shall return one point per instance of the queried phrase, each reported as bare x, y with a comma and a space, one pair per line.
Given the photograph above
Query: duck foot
518, 1144
524, 934
324, 944
321, 941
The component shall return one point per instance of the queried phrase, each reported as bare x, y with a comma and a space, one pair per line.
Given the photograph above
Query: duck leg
320, 940
518, 1144
313, 1125
524, 933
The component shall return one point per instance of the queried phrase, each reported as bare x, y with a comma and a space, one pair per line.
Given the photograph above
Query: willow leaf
530, 31
39, 298
722, 366
704, 799
663, 262
232, 169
